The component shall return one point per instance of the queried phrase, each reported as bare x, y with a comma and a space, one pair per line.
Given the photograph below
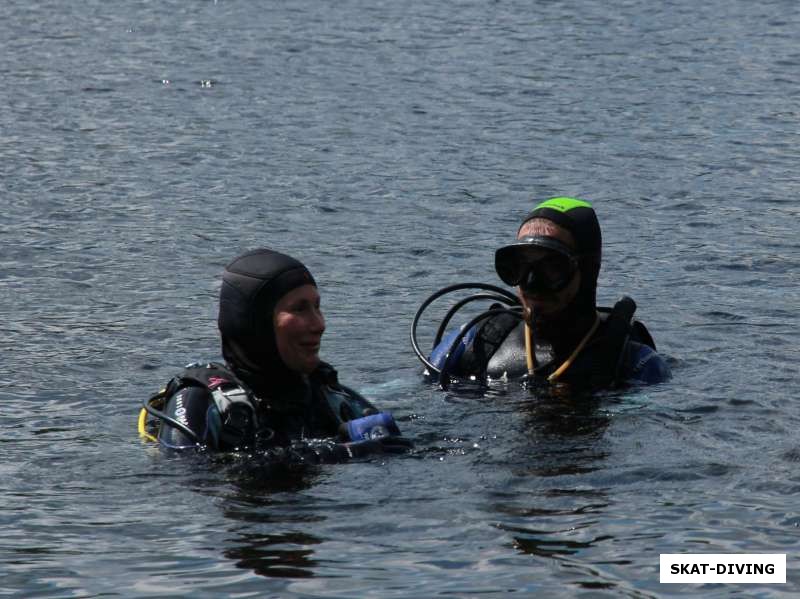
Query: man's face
542, 305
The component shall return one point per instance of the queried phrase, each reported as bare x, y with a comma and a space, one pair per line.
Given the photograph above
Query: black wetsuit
621, 351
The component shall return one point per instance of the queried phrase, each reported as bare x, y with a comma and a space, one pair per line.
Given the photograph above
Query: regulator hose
170, 421
496, 294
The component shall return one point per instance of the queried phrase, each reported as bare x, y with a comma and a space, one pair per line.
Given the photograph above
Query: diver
272, 393
552, 332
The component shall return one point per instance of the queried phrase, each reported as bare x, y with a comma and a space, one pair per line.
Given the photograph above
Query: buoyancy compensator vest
498, 349
207, 405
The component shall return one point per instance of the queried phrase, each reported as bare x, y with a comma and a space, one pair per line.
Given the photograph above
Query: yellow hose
553, 377
142, 430
529, 356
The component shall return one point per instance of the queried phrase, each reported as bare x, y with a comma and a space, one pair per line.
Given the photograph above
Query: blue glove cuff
374, 426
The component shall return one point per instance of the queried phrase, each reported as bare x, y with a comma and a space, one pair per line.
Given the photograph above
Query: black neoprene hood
252, 285
577, 217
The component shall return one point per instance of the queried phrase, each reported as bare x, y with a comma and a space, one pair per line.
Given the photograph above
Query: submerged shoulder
644, 365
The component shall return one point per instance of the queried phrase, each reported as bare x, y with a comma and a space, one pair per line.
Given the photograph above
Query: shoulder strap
599, 363
640, 333
210, 375
236, 421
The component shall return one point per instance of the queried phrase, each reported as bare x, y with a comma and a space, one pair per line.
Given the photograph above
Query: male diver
555, 333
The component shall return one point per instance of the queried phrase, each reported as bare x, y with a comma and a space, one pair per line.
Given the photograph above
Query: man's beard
565, 329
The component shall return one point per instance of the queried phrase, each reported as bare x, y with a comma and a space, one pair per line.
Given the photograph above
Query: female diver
273, 393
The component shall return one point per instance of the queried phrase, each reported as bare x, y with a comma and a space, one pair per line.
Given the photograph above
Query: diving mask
536, 264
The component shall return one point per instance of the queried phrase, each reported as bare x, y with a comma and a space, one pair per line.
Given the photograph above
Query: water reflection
550, 513
559, 522
562, 432
551, 547
281, 555
261, 510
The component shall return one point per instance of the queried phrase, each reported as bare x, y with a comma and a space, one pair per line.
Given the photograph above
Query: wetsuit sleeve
347, 403
333, 452
275, 463
644, 365
188, 407
377, 432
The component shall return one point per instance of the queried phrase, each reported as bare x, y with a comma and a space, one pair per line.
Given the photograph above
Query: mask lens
538, 264
550, 273
508, 268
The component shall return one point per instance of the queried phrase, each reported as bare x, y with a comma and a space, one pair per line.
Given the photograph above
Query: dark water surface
392, 146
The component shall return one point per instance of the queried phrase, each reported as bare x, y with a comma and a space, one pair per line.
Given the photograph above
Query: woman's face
299, 325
